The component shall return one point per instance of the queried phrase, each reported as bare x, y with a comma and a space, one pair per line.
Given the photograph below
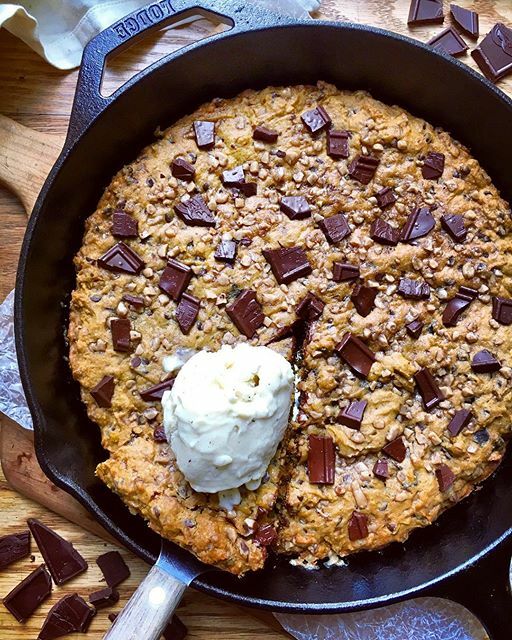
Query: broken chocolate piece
343, 272
245, 312
156, 392
13, 547
195, 212
356, 354
485, 362
429, 391
381, 470
68, 615
494, 54
120, 329
135, 301
396, 449
413, 289
104, 597
264, 134
335, 228
113, 567
159, 433
104, 391
425, 12
502, 310
63, 560
363, 298
175, 630
433, 166
310, 307
419, 223
265, 535
316, 120
295, 207
236, 178
337, 143
466, 19
204, 131
460, 421
288, 263
352, 415
186, 312
453, 310
24, 599
123, 225
453, 224
383, 233
175, 278
386, 197
445, 477
357, 526
448, 41
363, 168
182, 169
226, 251
414, 328
321, 460
121, 259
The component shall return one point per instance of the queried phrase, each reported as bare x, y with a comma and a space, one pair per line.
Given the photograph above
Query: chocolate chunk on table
453, 310
310, 307
419, 223
485, 362
288, 263
335, 228
433, 165
321, 460
264, 134
175, 278
121, 259
357, 526
356, 354
383, 233
454, 225
265, 535
337, 143
120, 329
445, 477
175, 630
68, 615
204, 132
316, 119
156, 392
413, 289
381, 470
414, 328
352, 415
13, 547
226, 251
363, 168
104, 597
448, 41
195, 212
425, 12
123, 225
494, 54
460, 421
466, 19
502, 310
344, 272
62, 559
245, 312
295, 207
187, 311
363, 299
396, 449
104, 391
428, 388
182, 169
26, 597
113, 567
386, 197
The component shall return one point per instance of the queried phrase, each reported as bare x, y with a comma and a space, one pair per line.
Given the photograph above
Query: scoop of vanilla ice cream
226, 414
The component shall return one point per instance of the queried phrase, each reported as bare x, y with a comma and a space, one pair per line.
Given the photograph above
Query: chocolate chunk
175, 630
135, 301
352, 415
460, 421
295, 207
245, 312
357, 526
310, 307
381, 470
457, 305
343, 272
175, 278
186, 312
233, 177
419, 223
433, 166
104, 391
124, 226
113, 567
466, 19
414, 328
337, 143
363, 168
453, 224
248, 188
448, 41
104, 597
226, 251
445, 477
485, 362
383, 233
61, 557
265, 535
425, 12
264, 134
195, 212
182, 169
204, 131
68, 615
14, 547
363, 298
396, 449
413, 289
316, 120
112, 616
24, 599
356, 354
288, 263
159, 434
386, 197
429, 391
494, 54
335, 228
121, 259
120, 329
321, 460
502, 310
156, 392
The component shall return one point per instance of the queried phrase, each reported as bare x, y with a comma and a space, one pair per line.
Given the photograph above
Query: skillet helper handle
149, 609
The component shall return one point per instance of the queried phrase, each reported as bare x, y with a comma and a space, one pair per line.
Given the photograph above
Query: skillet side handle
484, 589
149, 609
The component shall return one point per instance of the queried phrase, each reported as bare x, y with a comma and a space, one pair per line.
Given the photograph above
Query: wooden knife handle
26, 157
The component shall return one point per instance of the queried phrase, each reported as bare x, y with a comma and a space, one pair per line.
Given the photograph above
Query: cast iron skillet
465, 555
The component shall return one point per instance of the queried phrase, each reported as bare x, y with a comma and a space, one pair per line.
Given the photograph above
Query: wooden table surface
39, 96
